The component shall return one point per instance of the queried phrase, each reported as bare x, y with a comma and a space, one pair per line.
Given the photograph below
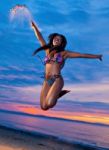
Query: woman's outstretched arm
38, 34
70, 54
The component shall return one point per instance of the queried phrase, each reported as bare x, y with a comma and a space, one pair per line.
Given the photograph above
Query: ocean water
73, 131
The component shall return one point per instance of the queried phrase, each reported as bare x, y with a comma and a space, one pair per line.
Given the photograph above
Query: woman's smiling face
57, 40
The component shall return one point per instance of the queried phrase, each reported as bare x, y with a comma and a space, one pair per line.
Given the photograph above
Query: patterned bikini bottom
52, 79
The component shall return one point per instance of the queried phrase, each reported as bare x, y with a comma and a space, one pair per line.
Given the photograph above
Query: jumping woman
54, 61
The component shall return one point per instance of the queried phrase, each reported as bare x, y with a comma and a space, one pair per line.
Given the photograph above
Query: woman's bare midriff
52, 69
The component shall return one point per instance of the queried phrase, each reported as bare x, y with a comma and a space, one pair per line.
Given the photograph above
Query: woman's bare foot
63, 92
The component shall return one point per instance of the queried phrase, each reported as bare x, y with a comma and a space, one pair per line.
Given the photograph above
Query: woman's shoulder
64, 53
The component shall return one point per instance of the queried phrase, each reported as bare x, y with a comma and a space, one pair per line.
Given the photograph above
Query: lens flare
20, 13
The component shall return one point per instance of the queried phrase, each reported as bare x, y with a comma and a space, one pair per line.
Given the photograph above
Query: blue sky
84, 23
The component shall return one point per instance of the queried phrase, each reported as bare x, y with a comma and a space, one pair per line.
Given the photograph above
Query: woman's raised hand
100, 57
33, 24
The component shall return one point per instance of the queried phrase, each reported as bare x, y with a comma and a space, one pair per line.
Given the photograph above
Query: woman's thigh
44, 91
54, 91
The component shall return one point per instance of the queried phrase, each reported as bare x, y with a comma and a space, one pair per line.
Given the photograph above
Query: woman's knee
51, 102
44, 107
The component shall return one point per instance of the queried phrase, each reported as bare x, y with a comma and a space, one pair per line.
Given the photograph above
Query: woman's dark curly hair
50, 45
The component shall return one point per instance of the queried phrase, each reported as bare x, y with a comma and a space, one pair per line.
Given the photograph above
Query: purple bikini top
57, 58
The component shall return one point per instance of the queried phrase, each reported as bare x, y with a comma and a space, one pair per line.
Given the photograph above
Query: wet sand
11, 139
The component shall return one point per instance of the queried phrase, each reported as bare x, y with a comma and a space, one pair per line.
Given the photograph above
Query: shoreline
24, 140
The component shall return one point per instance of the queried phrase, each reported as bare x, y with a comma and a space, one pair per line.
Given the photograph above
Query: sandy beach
11, 139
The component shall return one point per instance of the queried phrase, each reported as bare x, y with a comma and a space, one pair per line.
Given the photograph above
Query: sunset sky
86, 27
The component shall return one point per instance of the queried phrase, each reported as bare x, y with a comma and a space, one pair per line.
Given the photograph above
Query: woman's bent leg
53, 94
44, 91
